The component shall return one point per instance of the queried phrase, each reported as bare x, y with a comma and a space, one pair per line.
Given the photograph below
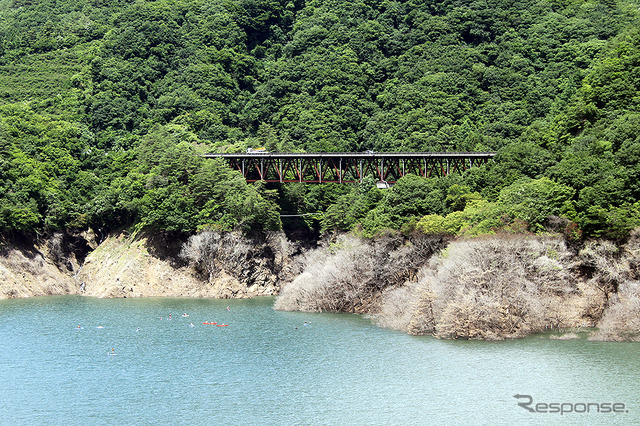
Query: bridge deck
346, 167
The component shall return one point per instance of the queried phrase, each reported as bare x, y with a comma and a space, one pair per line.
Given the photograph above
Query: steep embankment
209, 264
124, 266
30, 273
41, 267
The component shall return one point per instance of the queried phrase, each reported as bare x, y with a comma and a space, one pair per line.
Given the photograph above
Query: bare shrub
620, 269
332, 279
621, 319
422, 320
211, 252
505, 287
397, 308
605, 265
284, 253
473, 315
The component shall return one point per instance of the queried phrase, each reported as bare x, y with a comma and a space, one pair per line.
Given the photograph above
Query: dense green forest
104, 105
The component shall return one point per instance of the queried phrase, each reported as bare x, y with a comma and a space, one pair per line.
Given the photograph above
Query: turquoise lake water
267, 367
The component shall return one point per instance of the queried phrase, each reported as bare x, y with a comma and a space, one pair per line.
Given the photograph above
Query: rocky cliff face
209, 264
41, 267
124, 266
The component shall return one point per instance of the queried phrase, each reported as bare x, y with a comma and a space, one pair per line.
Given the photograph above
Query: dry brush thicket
621, 276
237, 262
350, 274
495, 288
485, 288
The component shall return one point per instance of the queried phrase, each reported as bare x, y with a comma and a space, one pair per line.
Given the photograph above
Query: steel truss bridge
347, 167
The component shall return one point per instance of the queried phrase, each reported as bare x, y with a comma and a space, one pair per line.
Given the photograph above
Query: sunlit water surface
268, 367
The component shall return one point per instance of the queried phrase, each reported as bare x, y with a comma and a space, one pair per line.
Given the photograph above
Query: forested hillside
104, 104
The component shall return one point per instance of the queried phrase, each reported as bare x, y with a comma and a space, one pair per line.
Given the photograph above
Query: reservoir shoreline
490, 288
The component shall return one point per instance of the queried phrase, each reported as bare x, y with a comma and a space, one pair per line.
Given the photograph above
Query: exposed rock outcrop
41, 266
209, 264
